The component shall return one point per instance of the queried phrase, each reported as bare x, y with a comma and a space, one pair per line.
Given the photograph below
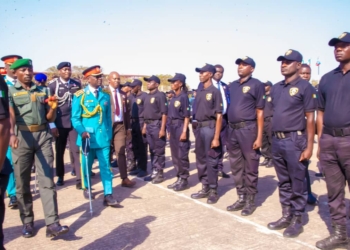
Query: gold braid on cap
89, 114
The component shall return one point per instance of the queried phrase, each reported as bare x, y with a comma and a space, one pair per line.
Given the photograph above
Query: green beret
21, 63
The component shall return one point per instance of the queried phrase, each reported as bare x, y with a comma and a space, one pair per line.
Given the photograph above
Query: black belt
176, 121
283, 135
205, 123
240, 125
148, 121
267, 119
117, 123
336, 132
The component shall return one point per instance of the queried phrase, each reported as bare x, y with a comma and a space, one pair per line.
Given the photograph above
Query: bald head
114, 79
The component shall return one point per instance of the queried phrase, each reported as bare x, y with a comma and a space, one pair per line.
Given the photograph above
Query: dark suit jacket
124, 107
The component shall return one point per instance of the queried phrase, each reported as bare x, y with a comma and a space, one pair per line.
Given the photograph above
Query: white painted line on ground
258, 227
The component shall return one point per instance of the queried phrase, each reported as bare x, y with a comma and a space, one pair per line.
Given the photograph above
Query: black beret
63, 64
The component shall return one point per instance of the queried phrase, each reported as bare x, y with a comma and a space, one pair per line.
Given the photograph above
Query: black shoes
171, 186
239, 204
270, 164
204, 193
60, 181
86, 194
152, 176
73, 173
264, 163
249, 206
27, 230
311, 200
114, 164
142, 173
223, 174
295, 227
182, 185
110, 201
13, 202
159, 178
336, 240
56, 229
213, 196
78, 186
134, 172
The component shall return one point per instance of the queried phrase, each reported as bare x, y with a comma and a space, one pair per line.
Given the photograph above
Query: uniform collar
18, 85
338, 70
155, 92
238, 81
294, 82
64, 82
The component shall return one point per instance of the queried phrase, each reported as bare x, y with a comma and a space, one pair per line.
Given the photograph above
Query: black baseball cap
344, 37
135, 83
178, 77
127, 84
291, 55
246, 60
268, 83
206, 68
152, 78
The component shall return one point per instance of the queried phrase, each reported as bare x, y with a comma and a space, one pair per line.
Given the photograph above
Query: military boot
335, 240
283, 222
159, 178
202, 193
239, 204
249, 206
295, 227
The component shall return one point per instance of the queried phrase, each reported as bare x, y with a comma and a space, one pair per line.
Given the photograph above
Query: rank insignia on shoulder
52, 81
105, 90
79, 93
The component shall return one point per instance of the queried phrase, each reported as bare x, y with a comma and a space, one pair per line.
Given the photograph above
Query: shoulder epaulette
74, 81
79, 93
52, 81
106, 90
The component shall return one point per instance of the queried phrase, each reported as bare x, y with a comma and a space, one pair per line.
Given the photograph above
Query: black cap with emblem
344, 37
246, 60
63, 65
291, 55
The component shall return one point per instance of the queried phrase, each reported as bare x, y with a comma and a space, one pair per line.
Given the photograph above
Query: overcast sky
164, 37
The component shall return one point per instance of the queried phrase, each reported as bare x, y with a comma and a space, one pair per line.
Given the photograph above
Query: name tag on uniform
89, 129
61, 88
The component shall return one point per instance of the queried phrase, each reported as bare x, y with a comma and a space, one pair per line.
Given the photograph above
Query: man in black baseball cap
333, 128
246, 60
152, 78
291, 55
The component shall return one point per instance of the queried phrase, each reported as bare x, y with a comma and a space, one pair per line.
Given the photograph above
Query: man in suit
120, 115
225, 94
91, 118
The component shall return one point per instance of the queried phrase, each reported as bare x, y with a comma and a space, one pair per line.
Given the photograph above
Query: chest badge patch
293, 91
269, 99
208, 96
245, 89
152, 100
177, 104
138, 101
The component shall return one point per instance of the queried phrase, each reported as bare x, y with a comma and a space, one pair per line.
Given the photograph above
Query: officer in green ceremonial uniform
10, 81
91, 118
30, 112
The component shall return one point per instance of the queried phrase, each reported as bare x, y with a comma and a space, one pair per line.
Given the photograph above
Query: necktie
96, 93
117, 109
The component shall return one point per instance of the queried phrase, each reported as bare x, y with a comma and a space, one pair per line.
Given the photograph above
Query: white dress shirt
117, 118
222, 91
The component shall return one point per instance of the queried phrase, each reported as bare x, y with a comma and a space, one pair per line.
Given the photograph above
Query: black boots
249, 206
159, 178
335, 240
283, 222
295, 227
182, 185
213, 196
239, 204
171, 186
56, 229
202, 193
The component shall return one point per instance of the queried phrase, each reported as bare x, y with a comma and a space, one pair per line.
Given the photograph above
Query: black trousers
267, 139
70, 135
3, 184
139, 144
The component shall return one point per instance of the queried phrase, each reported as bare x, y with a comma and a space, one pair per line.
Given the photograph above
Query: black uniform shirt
138, 103
179, 107
63, 118
268, 110
334, 98
208, 104
245, 99
155, 106
4, 100
290, 103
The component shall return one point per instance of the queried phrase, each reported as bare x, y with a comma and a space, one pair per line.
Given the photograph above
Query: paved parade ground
154, 217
